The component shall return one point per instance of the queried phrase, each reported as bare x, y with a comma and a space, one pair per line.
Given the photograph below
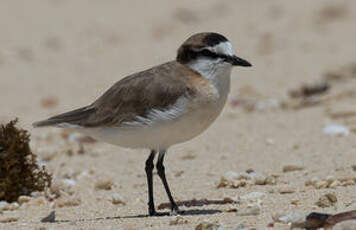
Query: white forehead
222, 48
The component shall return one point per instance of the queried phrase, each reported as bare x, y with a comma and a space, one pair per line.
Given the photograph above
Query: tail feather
71, 118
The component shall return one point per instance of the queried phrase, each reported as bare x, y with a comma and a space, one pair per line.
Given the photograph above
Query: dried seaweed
317, 220
19, 172
310, 90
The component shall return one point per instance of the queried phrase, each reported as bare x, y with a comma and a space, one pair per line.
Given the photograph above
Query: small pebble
317, 183
3, 205
348, 182
250, 211
230, 179
332, 197
68, 202
9, 219
330, 179
178, 220
258, 178
24, 199
230, 175
321, 184
286, 190
104, 184
13, 206
117, 199
295, 202
327, 200
292, 167
41, 228
334, 184
206, 225
271, 180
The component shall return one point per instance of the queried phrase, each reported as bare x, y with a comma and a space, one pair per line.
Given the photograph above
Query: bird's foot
175, 211
152, 212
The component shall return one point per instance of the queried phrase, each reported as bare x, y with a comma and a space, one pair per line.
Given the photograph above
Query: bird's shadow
197, 203
187, 203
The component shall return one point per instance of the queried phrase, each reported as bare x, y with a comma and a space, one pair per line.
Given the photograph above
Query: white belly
161, 134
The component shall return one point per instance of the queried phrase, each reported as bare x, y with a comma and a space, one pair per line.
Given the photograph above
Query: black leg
162, 175
149, 168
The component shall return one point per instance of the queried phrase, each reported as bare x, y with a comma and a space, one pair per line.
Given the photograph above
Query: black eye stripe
187, 54
208, 53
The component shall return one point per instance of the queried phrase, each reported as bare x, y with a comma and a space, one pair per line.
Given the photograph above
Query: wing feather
132, 97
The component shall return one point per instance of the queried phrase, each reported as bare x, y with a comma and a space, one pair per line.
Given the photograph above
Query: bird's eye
208, 53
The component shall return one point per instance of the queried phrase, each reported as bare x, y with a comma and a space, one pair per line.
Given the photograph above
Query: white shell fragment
336, 130
253, 196
293, 218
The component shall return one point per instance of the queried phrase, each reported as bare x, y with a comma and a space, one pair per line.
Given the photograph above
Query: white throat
209, 69
217, 73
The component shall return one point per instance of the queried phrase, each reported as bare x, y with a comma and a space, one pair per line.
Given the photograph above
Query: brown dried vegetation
19, 172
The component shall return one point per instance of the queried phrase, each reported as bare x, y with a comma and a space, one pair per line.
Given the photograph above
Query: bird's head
208, 52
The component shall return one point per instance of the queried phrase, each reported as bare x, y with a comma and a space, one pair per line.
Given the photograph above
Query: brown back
132, 96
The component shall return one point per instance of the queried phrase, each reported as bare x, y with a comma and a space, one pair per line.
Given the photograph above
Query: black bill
234, 60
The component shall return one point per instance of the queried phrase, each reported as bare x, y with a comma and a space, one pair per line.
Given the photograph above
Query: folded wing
133, 96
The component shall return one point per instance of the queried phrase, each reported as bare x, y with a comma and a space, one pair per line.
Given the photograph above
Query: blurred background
56, 55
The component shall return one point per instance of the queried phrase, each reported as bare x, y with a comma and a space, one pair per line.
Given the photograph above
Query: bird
162, 106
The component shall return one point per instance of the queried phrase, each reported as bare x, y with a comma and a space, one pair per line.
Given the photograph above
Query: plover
168, 104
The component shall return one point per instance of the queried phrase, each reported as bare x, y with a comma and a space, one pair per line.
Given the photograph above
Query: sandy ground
57, 55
